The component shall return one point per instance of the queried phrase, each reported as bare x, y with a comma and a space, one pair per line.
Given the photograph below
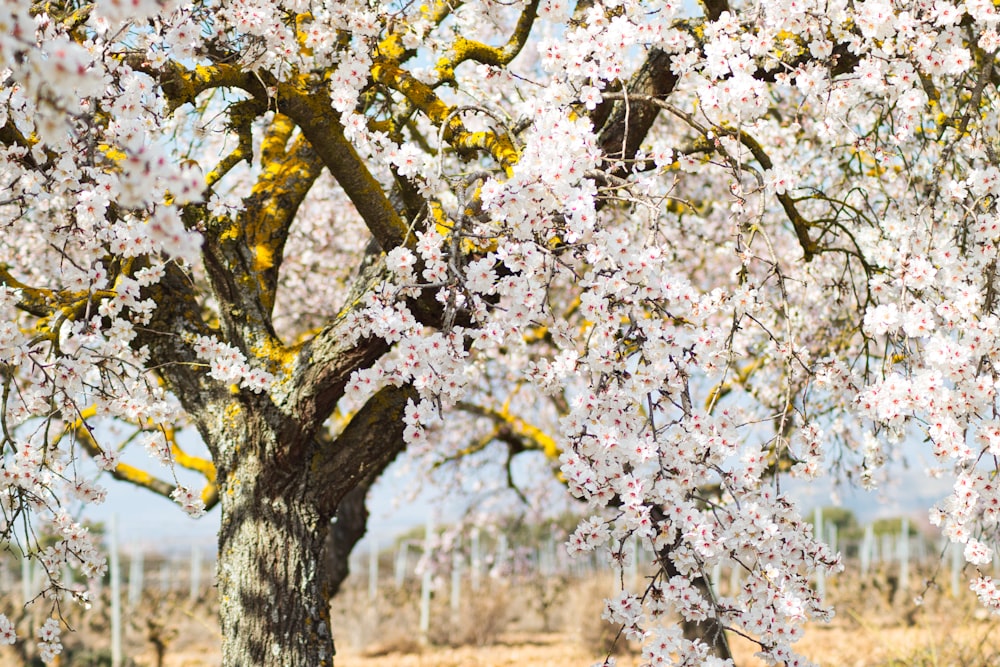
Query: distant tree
841, 517
892, 526
686, 252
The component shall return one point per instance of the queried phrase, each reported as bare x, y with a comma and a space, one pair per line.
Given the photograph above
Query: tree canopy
681, 252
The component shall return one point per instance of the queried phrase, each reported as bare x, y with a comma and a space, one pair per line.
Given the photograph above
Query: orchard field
537, 614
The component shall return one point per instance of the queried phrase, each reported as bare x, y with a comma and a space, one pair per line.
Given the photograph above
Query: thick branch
529, 435
181, 86
325, 364
243, 258
498, 56
318, 121
37, 301
366, 446
453, 131
269, 211
714, 8
629, 121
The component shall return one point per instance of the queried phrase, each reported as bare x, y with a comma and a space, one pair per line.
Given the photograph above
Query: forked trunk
273, 609
711, 630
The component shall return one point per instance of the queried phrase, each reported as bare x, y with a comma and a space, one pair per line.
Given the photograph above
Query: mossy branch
499, 56
136, 476
530, 436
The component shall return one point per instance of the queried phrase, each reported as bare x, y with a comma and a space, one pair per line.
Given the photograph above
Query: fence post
373, 569
956, 568
865, 551
456, 583
116, 591
734, 579
904, 555
888, 553
402, 552
135, 573
475, 563
818, 534
715, 576
195, 590
26, 591
546, 558
165, 583
425, 584
632, 574
6, 578
500, 556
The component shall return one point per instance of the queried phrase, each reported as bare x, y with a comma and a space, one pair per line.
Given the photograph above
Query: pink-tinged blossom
781, 253
882, 319
7, 634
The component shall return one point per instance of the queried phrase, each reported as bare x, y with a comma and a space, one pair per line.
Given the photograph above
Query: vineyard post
135, 574
956, 568
402, 552
26, 590
116, 592
818, 532
373, 570
904, 554
425, 584
456, 584
475, 564
195, 574
865, 552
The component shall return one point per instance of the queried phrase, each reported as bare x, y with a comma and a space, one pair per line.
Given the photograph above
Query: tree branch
366, 446
528, 434
498, 56
317, 119
138, 477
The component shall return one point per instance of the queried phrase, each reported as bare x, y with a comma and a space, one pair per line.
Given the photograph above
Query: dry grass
505, 625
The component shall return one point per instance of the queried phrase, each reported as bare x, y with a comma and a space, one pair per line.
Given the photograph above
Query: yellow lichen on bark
232, 414
388, 72
530, 435
499, 56
279, 359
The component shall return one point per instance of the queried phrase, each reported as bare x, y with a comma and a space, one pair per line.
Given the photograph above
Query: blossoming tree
684, 251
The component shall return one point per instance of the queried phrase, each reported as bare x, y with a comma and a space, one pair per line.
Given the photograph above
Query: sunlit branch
453, 131
529, 435
138, 477
36, 301
268, 212
10, 136
319, 124
369, 442
498, 56
181, 85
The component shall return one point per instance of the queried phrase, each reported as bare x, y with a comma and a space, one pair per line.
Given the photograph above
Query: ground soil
875, 627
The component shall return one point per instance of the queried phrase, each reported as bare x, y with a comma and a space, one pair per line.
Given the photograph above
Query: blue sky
154, 523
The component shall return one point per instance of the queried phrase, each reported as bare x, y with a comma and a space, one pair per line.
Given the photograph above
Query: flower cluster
227, 364
679, 256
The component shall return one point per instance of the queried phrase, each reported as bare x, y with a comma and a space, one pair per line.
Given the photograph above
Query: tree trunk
348, 528
272, 605
710, 631
280, 484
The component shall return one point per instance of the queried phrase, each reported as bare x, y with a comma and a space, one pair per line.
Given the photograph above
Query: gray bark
270, 574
